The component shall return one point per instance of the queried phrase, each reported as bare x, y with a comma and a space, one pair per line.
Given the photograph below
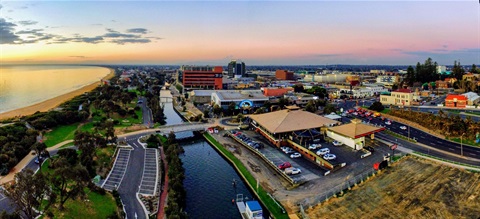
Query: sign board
393, 146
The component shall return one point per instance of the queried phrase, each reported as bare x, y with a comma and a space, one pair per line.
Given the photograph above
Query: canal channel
210, 181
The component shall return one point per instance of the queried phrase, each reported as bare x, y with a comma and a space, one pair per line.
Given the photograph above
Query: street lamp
461, 144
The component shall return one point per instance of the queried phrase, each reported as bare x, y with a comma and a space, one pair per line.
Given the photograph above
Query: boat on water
249, 209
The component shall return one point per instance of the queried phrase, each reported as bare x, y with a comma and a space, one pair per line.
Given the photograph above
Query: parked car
329, 157
284, 148
292, 171
403, 127
284, 165
369, 148
337, 143
323, 151
295, 155
289, 151
314, 146
388, 122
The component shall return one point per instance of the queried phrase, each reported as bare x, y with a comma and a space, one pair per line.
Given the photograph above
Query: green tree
410, 77
28, 192
474, 69
217, 110
310, 107
329, 108
260, 110
458, 70
231, 109
377, 106
172, 138
298, 88
68, 182
282, 102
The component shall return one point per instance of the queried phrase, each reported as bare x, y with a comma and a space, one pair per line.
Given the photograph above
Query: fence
337, 190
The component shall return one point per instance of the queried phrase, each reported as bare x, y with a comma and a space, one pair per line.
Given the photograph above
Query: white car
337, 143
323, 151
388, 122
329, 157
403, 127
289, 151
314, 146
295, 155
284, 148
296, 171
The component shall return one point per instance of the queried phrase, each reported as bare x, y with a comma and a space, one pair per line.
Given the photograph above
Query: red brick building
202, 77
284, 75
276, 92
458, 101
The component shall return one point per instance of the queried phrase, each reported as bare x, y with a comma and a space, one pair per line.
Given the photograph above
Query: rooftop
253, 206
356, 129
288, 121
240, 94
403, 91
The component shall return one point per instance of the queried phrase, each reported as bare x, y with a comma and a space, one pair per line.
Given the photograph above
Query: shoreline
52, 103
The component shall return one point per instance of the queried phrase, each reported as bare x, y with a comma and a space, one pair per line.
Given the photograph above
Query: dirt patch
121, 131
412, 188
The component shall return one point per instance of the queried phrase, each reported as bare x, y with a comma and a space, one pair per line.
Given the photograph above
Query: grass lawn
272, 207
464, 141
60, 134
104, 156
96, 206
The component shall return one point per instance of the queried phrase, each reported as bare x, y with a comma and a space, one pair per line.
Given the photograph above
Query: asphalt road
131, 181
429, 140
147, 113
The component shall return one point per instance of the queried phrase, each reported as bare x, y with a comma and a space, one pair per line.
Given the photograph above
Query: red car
284, 165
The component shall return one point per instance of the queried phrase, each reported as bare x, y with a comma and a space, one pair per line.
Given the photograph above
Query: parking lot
311, 171
2, 196
114, 179
149, 178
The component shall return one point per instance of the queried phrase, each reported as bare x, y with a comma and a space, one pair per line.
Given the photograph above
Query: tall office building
236, 69
201, 77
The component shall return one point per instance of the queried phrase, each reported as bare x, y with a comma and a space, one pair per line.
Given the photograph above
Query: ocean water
22, 86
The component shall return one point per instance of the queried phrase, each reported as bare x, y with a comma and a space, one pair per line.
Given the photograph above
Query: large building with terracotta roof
400, 97
294, 128
353, 134
456, 100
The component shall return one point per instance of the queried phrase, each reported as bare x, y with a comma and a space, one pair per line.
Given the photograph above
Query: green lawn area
465, 141
60, 134
104, 155
97, 206
45, 168
272, 207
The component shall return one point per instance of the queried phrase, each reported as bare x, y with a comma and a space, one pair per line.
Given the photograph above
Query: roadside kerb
266, 160
446, 162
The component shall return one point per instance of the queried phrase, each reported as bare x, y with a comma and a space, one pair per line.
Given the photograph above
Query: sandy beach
54, 102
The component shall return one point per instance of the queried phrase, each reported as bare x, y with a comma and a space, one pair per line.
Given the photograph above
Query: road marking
433, 143
451, 149
421, 136
472, 154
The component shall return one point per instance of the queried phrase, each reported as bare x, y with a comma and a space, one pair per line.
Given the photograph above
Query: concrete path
27, 159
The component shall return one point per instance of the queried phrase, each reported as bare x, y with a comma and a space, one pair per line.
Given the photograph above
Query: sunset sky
257, 32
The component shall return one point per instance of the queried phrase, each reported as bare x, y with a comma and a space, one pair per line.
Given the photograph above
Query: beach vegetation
16, 141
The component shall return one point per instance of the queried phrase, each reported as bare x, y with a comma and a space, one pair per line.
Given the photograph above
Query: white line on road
451, 149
